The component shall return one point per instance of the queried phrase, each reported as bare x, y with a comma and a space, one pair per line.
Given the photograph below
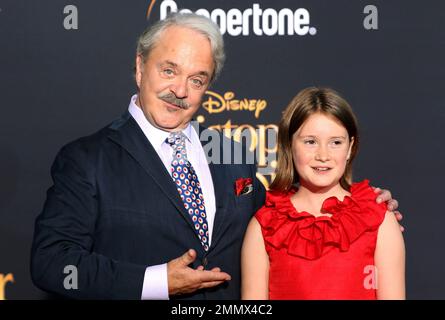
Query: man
136, 208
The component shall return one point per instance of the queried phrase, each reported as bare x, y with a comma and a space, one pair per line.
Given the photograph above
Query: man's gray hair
148, 39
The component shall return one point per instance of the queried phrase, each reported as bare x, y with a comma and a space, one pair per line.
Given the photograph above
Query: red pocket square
242, 184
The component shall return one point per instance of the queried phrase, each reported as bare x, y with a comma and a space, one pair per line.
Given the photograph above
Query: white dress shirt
155, 281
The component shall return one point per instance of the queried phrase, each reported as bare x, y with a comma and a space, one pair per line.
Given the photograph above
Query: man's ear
139, 69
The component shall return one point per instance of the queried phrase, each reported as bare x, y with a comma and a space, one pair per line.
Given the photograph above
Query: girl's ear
350, 148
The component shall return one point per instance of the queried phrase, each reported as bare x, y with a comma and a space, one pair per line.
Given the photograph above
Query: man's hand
393, 204
183, 279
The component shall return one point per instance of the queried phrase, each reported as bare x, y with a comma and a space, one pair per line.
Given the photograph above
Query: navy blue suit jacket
113, 210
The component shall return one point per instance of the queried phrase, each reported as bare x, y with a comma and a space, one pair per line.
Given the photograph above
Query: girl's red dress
322, 257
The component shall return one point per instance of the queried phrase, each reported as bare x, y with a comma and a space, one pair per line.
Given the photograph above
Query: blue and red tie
189, 187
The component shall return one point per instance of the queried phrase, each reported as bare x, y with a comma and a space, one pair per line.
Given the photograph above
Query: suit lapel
128, 135
219, 179
221, 200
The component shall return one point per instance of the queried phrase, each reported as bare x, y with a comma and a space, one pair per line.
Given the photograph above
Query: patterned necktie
188, 186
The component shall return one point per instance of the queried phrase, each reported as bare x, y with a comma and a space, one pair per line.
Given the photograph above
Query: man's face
174, 78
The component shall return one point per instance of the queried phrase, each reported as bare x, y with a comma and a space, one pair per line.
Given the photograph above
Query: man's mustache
172, 99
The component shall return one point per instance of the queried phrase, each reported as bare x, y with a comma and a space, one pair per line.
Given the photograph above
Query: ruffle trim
307, 236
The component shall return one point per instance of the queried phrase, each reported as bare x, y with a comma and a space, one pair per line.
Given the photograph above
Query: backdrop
66, 71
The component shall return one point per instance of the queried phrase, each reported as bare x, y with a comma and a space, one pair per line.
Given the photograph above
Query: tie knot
176, 139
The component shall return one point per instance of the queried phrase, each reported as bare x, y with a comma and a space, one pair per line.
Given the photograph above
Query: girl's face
320, 150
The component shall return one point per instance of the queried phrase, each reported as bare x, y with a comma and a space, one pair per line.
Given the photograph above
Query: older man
136, 209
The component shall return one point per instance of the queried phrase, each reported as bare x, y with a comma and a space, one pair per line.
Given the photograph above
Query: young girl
320, 236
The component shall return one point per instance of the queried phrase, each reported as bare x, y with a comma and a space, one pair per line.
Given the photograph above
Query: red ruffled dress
322, 257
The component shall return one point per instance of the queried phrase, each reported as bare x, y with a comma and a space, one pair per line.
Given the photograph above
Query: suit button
204, 262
